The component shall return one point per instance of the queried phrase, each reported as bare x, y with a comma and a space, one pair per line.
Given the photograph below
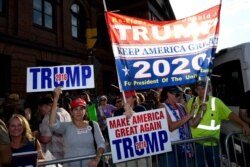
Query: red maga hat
77, 102
130, 93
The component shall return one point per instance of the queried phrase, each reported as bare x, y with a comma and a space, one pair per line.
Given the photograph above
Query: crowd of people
60, 124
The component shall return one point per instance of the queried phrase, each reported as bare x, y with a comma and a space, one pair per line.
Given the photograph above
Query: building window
78, 23
2, 6
43, 13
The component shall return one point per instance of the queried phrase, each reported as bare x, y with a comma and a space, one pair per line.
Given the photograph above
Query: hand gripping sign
68, 77
144, 134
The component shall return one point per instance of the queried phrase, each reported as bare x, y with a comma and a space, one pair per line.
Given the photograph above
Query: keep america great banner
153, 54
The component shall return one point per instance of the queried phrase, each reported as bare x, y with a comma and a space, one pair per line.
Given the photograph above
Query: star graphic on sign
210, 59
126, 70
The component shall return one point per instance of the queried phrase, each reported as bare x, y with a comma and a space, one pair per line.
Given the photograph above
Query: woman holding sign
80, 138
181, 155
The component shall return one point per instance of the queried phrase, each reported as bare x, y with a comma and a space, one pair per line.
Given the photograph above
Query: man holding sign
208, 113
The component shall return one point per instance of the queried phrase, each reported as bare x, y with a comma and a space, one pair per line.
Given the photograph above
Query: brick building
62, 32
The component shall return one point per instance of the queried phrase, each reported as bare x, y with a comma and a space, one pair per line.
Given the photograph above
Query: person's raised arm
128, 110
56, 95
175, 125
41, 156
27, 113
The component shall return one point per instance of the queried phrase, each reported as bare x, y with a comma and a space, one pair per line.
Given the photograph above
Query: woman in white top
178, 127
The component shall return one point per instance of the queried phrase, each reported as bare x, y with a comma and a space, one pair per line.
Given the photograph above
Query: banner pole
205, 94
123, 94
105, 6
119, 82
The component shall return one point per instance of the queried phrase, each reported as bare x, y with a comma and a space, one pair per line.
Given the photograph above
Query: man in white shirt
53, 143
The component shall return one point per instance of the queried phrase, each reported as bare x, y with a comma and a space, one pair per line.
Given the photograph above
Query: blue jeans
207, 154
175, 158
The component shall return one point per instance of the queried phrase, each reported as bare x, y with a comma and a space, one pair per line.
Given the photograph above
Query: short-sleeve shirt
4, 137
106, 111
211, 121
56, 144
79, 141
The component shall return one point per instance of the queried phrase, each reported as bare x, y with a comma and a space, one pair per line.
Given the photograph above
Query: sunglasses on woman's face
176, 94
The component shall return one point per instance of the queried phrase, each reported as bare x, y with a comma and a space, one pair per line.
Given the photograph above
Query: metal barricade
199, 157
237, 148
60, 162
153, 161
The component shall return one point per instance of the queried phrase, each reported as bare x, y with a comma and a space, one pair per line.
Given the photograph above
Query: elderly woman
21, 139
104, 111
79, 139
178, 127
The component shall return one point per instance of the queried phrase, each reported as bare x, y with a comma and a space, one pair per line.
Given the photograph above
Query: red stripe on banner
130, 30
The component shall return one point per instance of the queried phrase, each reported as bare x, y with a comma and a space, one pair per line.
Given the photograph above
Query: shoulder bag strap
93, 132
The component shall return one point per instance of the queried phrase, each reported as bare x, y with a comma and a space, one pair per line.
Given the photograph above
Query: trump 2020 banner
68, 77
144, 134
151, 54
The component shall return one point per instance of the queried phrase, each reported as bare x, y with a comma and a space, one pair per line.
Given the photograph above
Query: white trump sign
68, 77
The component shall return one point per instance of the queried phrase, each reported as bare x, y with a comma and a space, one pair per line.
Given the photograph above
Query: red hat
77, 102
130, 93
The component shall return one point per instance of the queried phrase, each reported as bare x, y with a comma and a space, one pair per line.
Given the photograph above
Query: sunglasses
176, 94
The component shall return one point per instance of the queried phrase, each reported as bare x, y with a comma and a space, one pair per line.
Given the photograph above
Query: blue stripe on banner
158, 72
